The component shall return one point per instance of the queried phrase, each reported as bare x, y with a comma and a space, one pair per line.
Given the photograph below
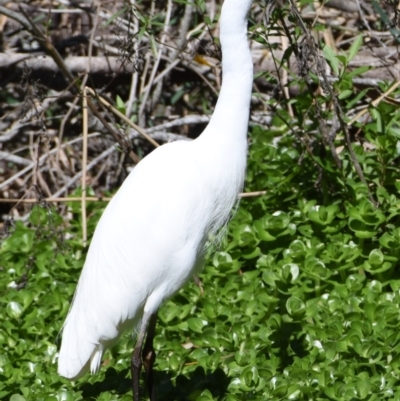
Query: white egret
151, 237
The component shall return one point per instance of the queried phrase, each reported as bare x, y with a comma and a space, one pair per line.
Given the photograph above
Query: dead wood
164, 75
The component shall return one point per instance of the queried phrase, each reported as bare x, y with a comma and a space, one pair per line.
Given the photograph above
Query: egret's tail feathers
80, 347
73, 365
95, 359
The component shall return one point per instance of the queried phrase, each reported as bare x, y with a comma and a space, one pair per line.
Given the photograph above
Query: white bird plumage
150, 239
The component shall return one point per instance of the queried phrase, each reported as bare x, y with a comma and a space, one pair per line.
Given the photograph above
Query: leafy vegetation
301, 300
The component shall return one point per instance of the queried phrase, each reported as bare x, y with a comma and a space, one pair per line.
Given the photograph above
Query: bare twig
84, 163
78, 176
14, 158
123, 117
135, 75
375, 102
338, 110
156, 63
41, 159
55, 200
100, 199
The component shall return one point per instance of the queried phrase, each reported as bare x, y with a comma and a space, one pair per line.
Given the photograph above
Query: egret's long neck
231, 112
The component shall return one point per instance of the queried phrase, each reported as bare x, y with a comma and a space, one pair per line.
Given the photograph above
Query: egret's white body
150, 239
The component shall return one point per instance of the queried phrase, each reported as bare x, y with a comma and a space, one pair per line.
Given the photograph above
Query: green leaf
355, 47
376, 257
17, 397
14, 310
332, 59
196, 324
295, 306
345, 94
363, 388
120, 105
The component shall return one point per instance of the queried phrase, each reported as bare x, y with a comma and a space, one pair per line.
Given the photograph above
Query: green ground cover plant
300, 301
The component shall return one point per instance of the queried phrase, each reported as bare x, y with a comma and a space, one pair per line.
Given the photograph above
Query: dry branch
148, 69
77, 65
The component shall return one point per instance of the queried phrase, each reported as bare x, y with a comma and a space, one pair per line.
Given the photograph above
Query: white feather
151, 237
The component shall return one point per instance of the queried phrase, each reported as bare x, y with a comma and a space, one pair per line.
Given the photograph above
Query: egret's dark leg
136, 362
149, 356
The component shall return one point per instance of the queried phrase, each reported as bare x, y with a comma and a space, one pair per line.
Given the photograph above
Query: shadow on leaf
185, 388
